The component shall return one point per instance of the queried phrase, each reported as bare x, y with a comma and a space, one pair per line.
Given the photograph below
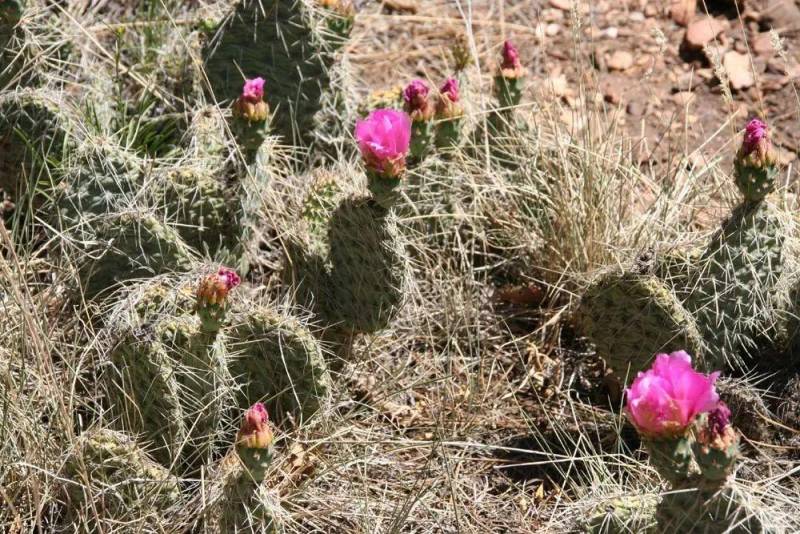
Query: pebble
702, 31
683, 98
683, 11
738, 68
564, 5
762, 44
620, 60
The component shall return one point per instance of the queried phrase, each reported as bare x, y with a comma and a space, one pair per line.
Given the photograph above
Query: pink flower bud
255, 432
663, 401
450, 89
384, 138
253, 90
214, 288
417, 104
719, 419
510, 57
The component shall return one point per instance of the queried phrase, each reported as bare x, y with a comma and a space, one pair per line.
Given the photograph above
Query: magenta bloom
253, 90
664, 400
415, 93
255, 432
754, 133
384, 138
450, 89
228, 277
510, 57
718, 419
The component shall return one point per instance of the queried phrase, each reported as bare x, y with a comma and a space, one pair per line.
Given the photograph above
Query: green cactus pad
754, 181
623, 515
632, 317
369, 266
733, 291
277, 361
240, 503
672, 458
705, 511
34, 134
281, 41
113, 474
11, 12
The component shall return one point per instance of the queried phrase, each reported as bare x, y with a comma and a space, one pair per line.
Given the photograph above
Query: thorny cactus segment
733, 291
110, 472
339, 16
755, 166
627, 514
630, 317
420, 107
35, 131
11, 12
212, 294
276, 360
510, 77
251, 114
284, 42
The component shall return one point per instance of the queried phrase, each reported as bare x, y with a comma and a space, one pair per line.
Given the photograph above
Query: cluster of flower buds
250, 105
254, 441
212, 294
384, 138
681, 419
756, 162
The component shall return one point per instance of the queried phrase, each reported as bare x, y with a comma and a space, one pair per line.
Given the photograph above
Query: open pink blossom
384, 138
450, 89
510, 57
755, 133
253, 90
664, 400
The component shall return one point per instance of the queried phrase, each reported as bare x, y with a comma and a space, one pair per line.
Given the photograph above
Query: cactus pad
631, 317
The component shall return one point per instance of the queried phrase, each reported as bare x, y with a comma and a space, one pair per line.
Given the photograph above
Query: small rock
636, 16
781, 14
563, 5
682, 11
738, 68
620, 60
650, 11
555, 86
683, 98
552, 29
635, 108
702, 31
762, 44
612, 32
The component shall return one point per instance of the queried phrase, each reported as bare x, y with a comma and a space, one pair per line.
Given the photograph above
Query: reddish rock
702, 31
683, 11
620, 60
738, 68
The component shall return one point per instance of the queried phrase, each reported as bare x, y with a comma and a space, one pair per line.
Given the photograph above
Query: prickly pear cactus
114, 476
11, 12
275, 359
34, 133
632, 317
732, 295
623, 515
288, 43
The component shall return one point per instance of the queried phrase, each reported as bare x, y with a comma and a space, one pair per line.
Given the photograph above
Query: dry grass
469, 414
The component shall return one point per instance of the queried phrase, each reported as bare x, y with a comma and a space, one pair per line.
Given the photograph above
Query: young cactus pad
631, 317
111, 473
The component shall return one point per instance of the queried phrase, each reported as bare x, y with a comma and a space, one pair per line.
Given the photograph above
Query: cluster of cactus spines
245, 504
11, 12
632, 316
291, 43
109, 471
729, 293
179, 366
626, 514
687, 431
350, 265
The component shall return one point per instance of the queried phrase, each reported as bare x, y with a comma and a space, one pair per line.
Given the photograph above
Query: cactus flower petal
253, 90
417, 102
384, 138
255, 432
665, 400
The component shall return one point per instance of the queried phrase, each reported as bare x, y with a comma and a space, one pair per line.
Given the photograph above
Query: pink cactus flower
384, 138
255, 432
511, 59
229, 277
663, 401
755, 133
719, 419
253, 90
450, 89
417, 103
